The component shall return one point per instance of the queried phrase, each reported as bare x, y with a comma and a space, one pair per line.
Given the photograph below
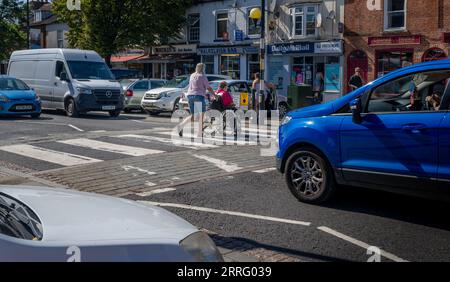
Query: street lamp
28, 24
256, 14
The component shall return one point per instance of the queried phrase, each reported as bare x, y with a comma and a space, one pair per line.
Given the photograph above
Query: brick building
384, 35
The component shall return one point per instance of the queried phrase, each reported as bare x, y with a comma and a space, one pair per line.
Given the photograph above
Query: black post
262, 56
28, 24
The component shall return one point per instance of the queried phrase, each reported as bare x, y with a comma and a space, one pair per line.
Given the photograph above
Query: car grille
102, 97
152, 96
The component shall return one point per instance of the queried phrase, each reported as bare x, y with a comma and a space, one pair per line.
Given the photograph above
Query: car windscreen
11, 84
126, 82
90, 70
17, 220
178, 82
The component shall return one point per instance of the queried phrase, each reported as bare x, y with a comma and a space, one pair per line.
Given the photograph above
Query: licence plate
24, 108
108, 108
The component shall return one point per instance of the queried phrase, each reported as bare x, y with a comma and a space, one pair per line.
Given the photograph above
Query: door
396, 144
444, 148
60, 87
139, 89
357, 59
43, 82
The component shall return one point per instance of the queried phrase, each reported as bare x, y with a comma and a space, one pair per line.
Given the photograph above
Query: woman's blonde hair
200, 68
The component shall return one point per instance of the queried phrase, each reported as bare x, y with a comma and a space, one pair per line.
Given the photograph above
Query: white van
77, 81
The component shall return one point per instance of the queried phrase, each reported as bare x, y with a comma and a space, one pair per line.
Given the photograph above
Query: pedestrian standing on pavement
356, 80
318, 87
256, 86
196, 95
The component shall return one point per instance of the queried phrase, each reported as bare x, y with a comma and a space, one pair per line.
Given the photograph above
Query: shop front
311, 63
238, 62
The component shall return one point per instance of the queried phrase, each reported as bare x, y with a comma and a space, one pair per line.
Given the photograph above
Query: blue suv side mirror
356, 109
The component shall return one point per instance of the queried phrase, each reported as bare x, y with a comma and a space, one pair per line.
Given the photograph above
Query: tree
12, 36
110, 26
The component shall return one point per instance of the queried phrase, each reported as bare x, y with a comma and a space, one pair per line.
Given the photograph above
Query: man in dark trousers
356, 80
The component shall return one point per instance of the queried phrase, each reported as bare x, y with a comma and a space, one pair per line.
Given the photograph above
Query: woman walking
196, 95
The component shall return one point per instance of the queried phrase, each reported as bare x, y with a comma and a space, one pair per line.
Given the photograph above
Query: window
230, 65
141, 85
158, 84
222, 25
194, 28
415, 92
388, 61
302, 70
59, 69
304, 21
60, 38
394, 14
254, 27
208, 60
253, 66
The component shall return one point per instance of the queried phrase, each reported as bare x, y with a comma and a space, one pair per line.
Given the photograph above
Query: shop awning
125, 59
169, 58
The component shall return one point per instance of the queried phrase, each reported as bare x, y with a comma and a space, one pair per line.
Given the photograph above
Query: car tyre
36, 116
114, 113
127, 111
153, 113
283, 110
71, 109
176, 105
309, 176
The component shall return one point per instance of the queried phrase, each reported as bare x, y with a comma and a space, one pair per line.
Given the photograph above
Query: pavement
230, 190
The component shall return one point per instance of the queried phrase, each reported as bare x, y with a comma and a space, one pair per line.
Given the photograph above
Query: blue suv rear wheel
309, 176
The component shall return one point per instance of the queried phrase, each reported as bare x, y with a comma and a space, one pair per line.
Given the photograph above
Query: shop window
388, 61
254, 28
253, 66
304, 20
194, 27
434, 54
394, 14
208, 60
222, 25
230, 65
302, 70
418, 92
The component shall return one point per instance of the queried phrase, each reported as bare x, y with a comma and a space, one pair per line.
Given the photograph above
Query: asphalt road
255, 207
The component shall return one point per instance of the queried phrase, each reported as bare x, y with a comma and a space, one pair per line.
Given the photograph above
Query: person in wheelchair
223, 100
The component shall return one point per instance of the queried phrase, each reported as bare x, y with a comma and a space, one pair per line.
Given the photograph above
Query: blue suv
392, 134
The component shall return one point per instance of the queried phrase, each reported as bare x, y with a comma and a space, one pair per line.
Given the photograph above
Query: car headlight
4, 99
286, 120
201, 248
37, 98
84, 90
163, 95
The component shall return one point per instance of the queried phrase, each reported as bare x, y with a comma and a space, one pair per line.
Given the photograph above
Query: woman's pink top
227, 100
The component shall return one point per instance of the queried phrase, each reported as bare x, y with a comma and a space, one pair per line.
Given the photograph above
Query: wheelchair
220, 126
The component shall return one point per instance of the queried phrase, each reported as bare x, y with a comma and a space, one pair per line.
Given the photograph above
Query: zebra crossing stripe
51, 156
174, 142
110, 147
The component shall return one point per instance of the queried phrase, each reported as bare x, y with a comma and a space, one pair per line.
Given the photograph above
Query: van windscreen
89, 70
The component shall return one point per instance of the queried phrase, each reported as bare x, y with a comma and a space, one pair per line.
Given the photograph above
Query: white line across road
157, 191
266, 170
239, 214
51, 156
228, 167
175, 142
110, 147
76, 128
359, 243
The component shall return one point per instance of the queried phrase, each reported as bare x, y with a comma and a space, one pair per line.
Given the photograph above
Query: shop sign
227, 50
304, 47
395, 40
176, 49
238, 35
328, 47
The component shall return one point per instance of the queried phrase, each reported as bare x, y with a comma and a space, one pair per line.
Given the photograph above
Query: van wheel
71, 109
114, 113
310, 177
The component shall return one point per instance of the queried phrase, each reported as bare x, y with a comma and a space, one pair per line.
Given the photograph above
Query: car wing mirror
63, 76
356, 108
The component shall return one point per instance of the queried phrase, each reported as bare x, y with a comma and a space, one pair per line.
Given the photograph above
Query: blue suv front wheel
309, 176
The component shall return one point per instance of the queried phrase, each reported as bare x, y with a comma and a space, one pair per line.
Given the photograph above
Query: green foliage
11, 35
109, 26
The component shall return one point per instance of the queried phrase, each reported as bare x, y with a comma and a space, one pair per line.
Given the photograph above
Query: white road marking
131, 168
150, 184
359, 243
157, 191
228, 167
110, 147
240, 214
261, 171
51, 156
138, 121
76, 128
181, 143
98, 131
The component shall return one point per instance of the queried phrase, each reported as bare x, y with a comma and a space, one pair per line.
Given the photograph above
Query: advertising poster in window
276, 72
332, 78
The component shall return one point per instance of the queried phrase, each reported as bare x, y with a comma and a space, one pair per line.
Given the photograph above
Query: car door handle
414, 128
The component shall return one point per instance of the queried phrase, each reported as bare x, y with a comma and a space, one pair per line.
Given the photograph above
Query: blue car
17, 99
392, 134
